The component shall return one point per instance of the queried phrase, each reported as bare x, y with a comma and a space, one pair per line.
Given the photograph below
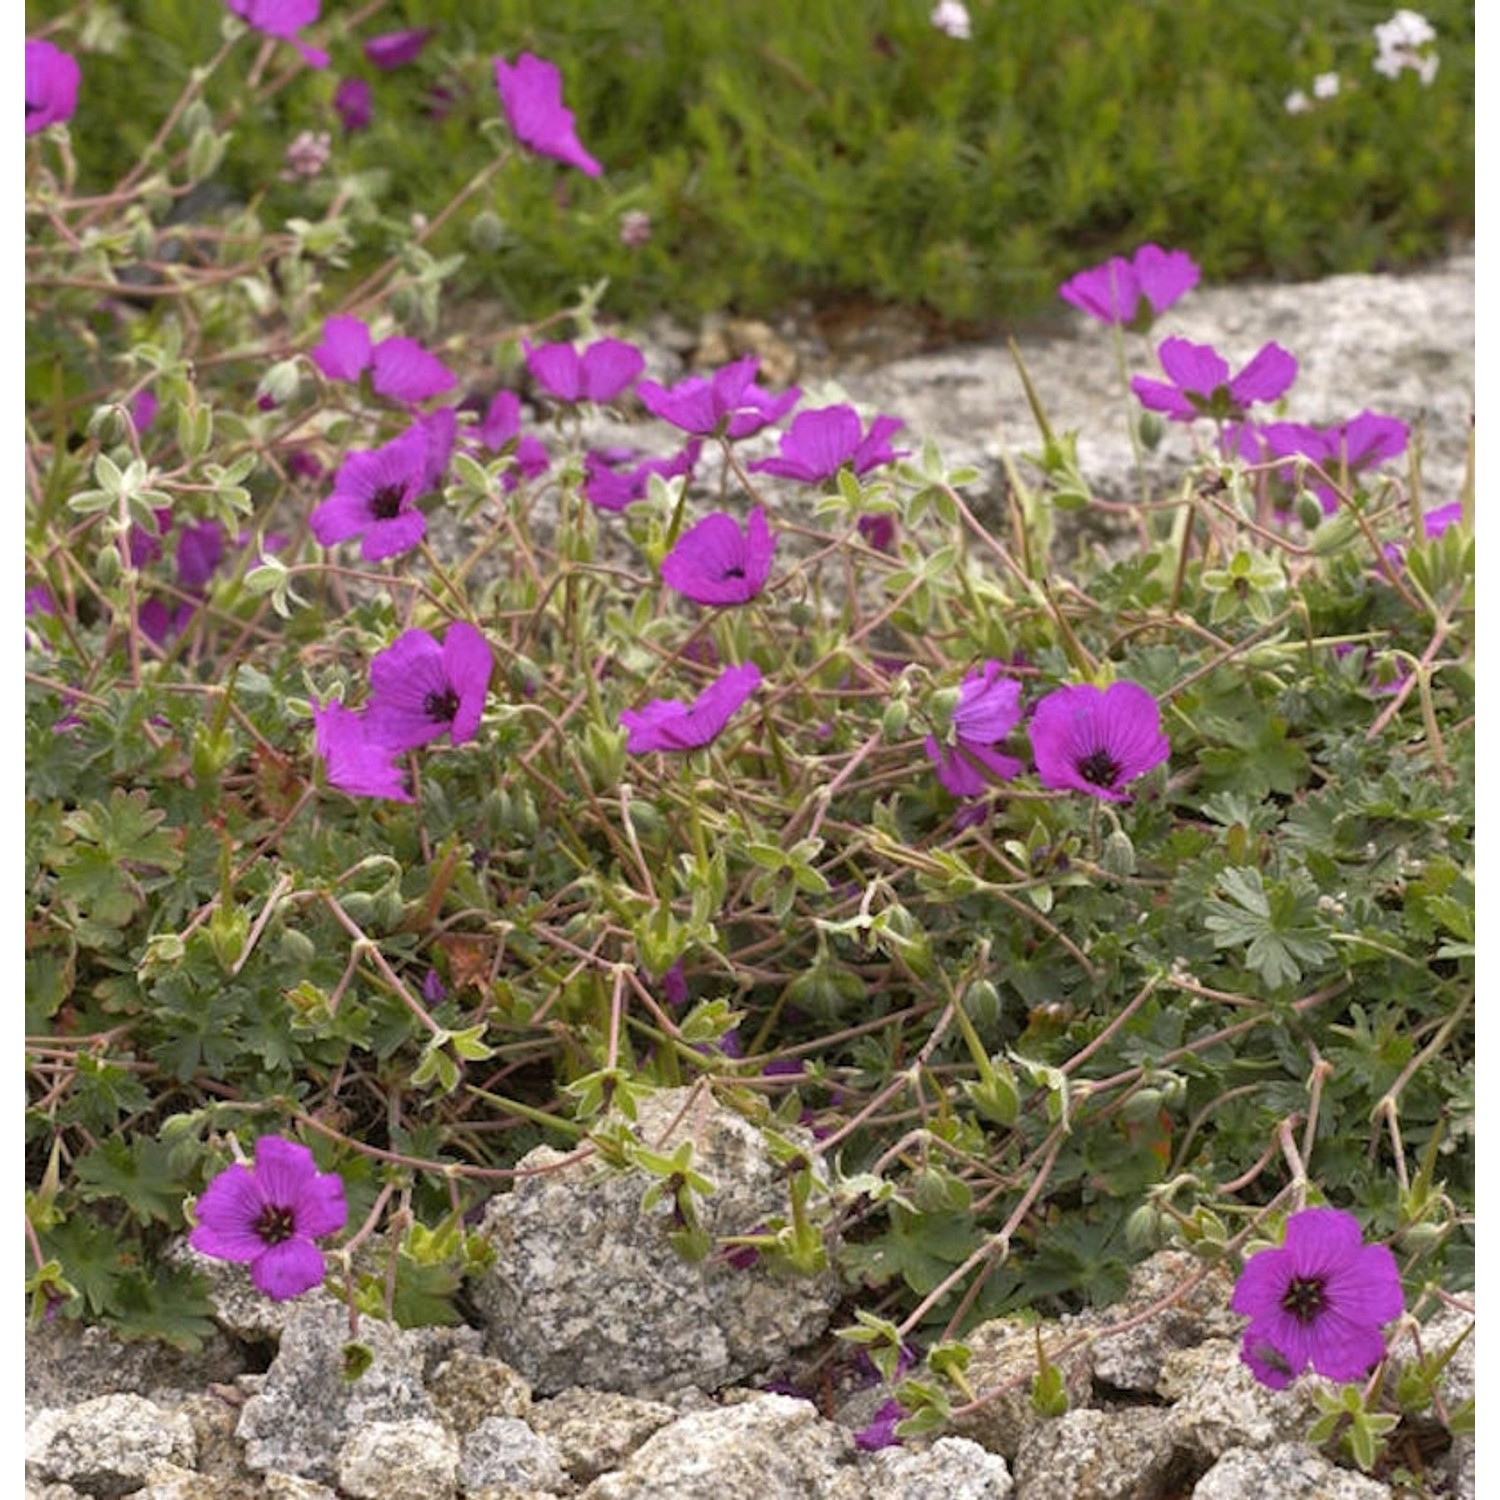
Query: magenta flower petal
609, 365
374, 497
609, 486
1198, 382
200, 549
531, 95
1085, 740
816, 446
989, 705
1265, 378
52, 79
354, 102
1320, 1301
715, 562
1132, 291
282, 19
667, 724
728, 403
344, 353
405, 371
271, 1215
393, 49
355, 762
968, 768
419, 690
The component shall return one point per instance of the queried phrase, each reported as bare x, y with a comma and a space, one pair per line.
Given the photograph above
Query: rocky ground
601, 1366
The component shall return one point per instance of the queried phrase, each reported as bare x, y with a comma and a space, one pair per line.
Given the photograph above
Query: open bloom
375, 494
282, 19
611, 486
951, 17
988, 708
392, 49
52, 79
668, 724
1088, 740
531, 94
353, 759
419, 690
600, 373
1320, 1300
820, 442
1198, 383
1360, 443
1401, 44
716, 563
399, 367
1132, 292
728, 403
271, 1215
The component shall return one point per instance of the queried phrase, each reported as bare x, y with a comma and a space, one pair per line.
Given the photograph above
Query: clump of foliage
839, 150
1039, 1029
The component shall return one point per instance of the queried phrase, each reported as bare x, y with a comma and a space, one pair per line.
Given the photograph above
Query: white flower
1325, 85
1398, 40
1297, 103
952, 18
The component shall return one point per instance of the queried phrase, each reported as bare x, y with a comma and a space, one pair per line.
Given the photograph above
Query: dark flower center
1305, 1298
385, 503
275, 1225
1100, 768
441, 707
32, 109
735, 571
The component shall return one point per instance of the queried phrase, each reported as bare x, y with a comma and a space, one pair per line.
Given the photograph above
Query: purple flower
400, 367
989, 707
1085, 740
667, 724
716, 563
39, 601
354, 103
271, 1214
52, 78
500, 432
1200, 385
1135, 291
881, 1431
599, 374
728, 403
610, 487
419, 690
374, 497
1320, 1300
820, 442
282, 19
1360, 443
393, 49
143, 408
200, 549
531, 94
1434, 523
354, 760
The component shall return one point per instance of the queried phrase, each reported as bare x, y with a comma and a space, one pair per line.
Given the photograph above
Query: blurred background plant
844, 149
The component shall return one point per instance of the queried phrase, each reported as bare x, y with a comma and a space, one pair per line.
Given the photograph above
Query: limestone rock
1289, 1471
398, 1460
108, 1445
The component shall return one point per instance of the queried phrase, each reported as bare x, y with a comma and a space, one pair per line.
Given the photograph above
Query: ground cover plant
411, 783
840, 149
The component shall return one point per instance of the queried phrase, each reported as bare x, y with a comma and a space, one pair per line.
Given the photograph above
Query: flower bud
1309, 510
488, 233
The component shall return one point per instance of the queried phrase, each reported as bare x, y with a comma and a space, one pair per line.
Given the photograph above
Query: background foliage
846, 149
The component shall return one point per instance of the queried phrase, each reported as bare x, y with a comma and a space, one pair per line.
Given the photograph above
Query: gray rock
1399, 345
469, 1388
298, 1421
767, 1448
1003, 1360
595, 1431
295, 1487
172, 1482
68, 1362
586, 1288
1099, 1455
1458, 1465
399, 1460
108, 1445
505, 1451
1288, 1471
1132, 1360
952, 1468
1217, 1404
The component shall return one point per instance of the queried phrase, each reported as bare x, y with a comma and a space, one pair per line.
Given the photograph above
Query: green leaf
139, 1173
